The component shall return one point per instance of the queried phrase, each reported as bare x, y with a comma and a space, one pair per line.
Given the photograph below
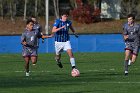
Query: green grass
100, 73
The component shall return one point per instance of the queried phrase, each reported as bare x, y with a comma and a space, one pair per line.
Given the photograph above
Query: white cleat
27, 74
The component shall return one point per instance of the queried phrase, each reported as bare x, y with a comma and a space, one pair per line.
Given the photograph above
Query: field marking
114, 82
30, 71
96, 70
18, 71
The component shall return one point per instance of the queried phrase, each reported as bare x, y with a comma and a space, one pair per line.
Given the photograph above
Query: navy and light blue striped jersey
63, 34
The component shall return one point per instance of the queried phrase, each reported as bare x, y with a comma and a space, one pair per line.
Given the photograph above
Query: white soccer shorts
60, 46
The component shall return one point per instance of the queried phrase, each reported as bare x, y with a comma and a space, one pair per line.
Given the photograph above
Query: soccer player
29, 41
62, 38
131, 34
37, 26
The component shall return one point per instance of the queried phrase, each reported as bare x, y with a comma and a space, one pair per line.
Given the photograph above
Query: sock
72, 61
129, 62
126, 65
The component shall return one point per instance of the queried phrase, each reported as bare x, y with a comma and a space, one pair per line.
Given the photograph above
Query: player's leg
27, 59
26, 56
127, 55
130, 60
72, 59
34, 56
68, 48
57, 58
34, 60
58, 50
135, 54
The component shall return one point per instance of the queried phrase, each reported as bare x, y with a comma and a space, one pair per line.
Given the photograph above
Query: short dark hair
33, 16
28, 21
131, 15
64, 13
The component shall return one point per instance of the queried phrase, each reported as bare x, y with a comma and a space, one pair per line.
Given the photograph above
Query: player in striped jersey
62, 38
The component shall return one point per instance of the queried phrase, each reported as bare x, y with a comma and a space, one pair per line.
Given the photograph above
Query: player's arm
125, 33
23, 42
72, 29
49, 36
125, 37
55, 29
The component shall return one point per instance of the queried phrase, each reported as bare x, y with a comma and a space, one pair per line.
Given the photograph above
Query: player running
62, 38
29, 41
37, 26
131, 34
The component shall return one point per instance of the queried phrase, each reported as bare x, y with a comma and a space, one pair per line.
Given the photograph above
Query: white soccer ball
75, 73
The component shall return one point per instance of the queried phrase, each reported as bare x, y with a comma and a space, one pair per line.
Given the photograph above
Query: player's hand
125, 37
43, 40
24, 43
50, 35
63, 27
76, 35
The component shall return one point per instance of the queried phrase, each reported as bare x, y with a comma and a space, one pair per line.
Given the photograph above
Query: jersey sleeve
70, 23
139, 29
40, 28
39, 34
23, 37
56, 24
125, 32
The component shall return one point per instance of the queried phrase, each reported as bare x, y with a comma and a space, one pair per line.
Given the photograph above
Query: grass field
100, 73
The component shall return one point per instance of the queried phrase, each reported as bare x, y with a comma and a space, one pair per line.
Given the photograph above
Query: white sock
72, 61
129, 62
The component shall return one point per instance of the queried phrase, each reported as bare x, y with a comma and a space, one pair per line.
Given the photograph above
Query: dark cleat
60, 64
73, 67
126, 74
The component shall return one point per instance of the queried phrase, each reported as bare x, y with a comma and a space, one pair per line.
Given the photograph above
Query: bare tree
36, 5
56, 8
14, 8
73, 3
1, 8
129, 6
11, 9
25, 9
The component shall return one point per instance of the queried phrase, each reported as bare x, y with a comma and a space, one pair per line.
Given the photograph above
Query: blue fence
85, 43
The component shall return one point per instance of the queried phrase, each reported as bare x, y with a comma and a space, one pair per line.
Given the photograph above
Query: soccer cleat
73, 67
27, 74
60, 64
126, 73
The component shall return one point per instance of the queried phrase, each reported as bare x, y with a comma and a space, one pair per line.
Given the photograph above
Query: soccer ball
75, 73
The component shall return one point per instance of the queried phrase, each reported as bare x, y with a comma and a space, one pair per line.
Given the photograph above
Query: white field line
32, 71
119, 82
21, 71
94, 70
